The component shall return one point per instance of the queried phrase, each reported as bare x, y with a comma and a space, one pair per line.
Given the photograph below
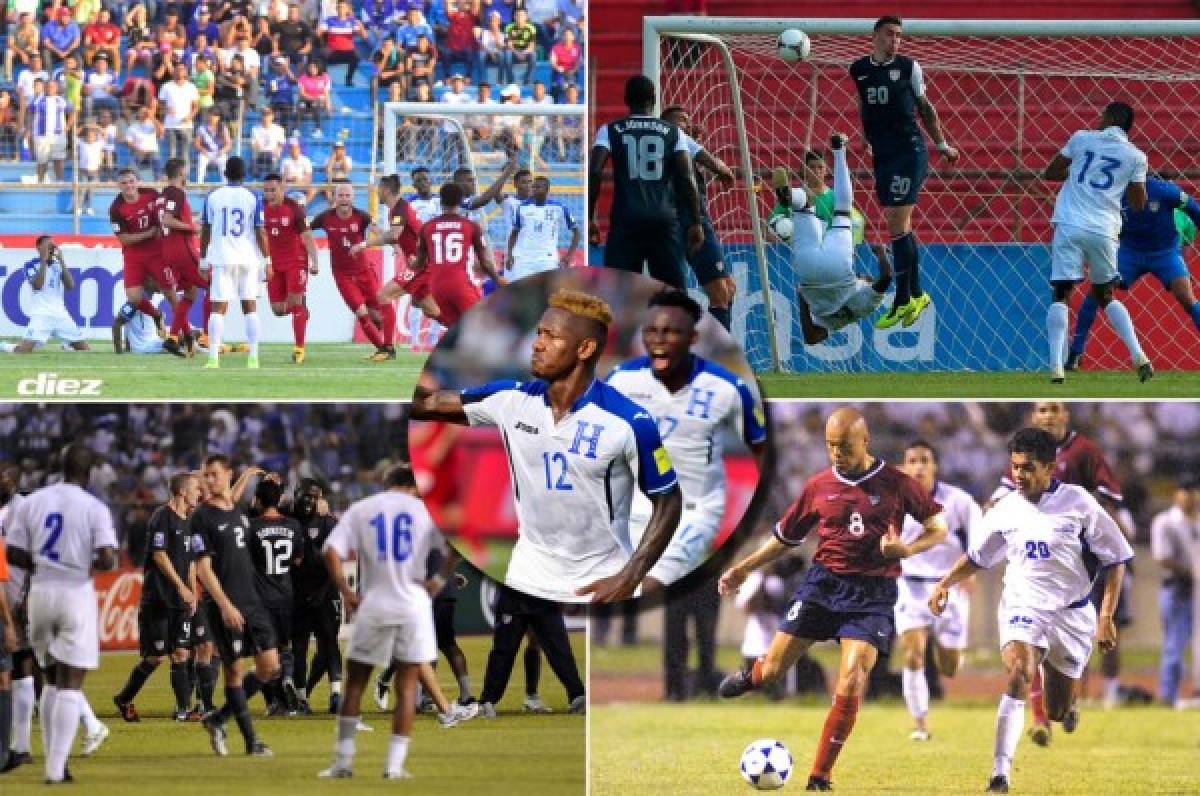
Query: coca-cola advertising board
118, 594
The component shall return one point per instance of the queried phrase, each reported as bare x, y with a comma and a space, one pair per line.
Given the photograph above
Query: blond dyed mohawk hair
585, 305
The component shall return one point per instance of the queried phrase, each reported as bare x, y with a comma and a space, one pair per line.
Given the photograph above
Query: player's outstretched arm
569, 257
933, 533
1058, 168
105, 559
1106, 626
483, 254
239, 486
963, 569
664, 521
735, 576
441, 405
933, 126
1136, 196
713, 164
685, 186
495, 189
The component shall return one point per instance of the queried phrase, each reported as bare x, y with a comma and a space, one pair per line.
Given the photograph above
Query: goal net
1009, 95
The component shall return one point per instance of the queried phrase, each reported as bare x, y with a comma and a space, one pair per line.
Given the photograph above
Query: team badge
284, 221
313, 533
894, 74
237, 647
505, 619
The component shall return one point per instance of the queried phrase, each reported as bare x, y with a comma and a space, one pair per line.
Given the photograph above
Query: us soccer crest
354, 227
874, 499
313, 533
894, 74
284, 221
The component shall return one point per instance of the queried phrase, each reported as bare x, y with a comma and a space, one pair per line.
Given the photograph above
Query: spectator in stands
137, 23
297, 173
481, 125
316, 96
295, 36
341, 34
502, 7
266, 144
107, 126
141, 48
570, 16
280, 85
60, 37
568, 130
70, 79
165, 61
202, 24
565, 59
234, 29
172, 31
26, 79
200, 46
102, 36
522, 43
10, 149
337, 167
389, 67
212, 143
204, 80
543, 14
251, 60
142, 137
415, 26
264, 40
461, 43
507, 126
181, 103
50, 119
91, 164
137, 93
457, 92
493, 48
99, 89
233, 88
380, 18
420, 65
22, 45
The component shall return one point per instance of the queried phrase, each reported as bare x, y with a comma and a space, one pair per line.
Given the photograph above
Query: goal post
1009, 93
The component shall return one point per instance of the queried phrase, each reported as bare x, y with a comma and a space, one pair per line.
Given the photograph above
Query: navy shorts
652, 247
257, 634
830, 606
163, 628
707, 263
899, 176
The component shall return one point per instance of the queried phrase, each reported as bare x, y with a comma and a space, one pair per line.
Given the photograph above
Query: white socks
1010, 720
916, 692
397, 752
216, 325
344, 747
1122, 324
1056, 333
91, 725
252, 326
22, 723
65, 722
843, 189
45, 712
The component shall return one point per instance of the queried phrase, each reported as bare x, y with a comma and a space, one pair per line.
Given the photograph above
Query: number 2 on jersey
54, 524
396, 546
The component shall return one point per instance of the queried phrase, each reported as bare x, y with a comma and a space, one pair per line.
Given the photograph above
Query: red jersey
176, 245
1080, 461
137, 216
852, 515
344, 233
286, 225
403, 213
449, 240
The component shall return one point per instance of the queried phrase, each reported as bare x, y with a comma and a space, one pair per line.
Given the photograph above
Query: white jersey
49, 299
538, 229
142, 334
392, 535
234, 213
427, 208
573, 480
61, 526
508, 209
1045, 545
962, 515
1103, 163
691, 420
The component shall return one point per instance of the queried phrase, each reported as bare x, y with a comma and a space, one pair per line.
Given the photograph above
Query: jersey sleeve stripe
777, 532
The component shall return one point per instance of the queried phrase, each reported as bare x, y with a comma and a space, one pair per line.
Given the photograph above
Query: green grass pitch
513, 753
1085, 384
695, 748
331, 371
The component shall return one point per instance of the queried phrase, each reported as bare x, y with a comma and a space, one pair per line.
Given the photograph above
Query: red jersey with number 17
286, 225
344, 233
129, 218
449, 240
177, 247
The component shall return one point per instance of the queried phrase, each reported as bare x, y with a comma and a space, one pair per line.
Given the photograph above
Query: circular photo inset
587, 435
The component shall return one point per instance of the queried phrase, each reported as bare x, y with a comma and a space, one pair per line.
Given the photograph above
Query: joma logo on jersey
51, 384
528, 429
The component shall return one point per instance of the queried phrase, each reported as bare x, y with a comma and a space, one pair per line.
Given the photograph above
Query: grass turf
695, 748
331, 371
539, 754
1085, 384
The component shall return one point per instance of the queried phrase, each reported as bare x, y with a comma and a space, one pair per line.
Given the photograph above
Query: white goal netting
1009, 95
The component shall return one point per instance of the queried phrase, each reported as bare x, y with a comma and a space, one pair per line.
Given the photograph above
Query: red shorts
136, 270
358, 288
186, 269
287, 283
414, 283
454, 296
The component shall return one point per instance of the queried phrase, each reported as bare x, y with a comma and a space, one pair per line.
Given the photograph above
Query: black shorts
707, 263
257, 633
200, 632
899, 176
163, 628
6, 661
655, 246
443, 622
280, 612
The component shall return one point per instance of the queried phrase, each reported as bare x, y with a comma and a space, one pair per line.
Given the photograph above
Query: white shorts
63, 625
378, 644
528, 266
1065, 635
912, 612
42, 327
49, 147
1073, 246
688, 548
235, 282
149, 347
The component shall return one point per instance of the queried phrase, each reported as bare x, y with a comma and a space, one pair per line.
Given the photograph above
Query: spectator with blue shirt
280, 85
202, 23
50, 118
341, 34
60, 37
1150, 243
414, 27
381, 19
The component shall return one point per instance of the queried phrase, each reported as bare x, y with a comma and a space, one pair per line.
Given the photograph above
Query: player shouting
849, 592
293, 259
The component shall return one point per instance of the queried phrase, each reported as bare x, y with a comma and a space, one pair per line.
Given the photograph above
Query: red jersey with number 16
286, 225
344, 233
129, 218
449, 240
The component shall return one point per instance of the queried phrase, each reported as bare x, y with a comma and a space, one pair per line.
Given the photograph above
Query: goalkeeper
830, 294
1150, 243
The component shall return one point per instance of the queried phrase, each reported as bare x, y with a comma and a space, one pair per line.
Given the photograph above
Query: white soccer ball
793, 45
766, 764
780, 225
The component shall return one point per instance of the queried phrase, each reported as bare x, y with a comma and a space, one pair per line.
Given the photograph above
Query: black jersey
168, 533
644, 172
224, 536
888, 102
275, 547
311, 583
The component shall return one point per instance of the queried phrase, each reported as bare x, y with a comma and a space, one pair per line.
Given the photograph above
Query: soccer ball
793, 45
780, 224
766, 764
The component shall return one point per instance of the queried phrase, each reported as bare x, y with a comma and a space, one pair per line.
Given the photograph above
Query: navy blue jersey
1153, 229
644, 171
888, 99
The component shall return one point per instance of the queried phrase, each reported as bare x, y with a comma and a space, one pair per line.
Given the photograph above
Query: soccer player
134, 331
400, 555
345, 225
232, 238
134, 217
9, 641
317, 607
275, 548
1098, 168
239, 621
19, 750
577, 449
1150, 243
1045, 615
168, 601
707, 262
522, 192
293, 259
652, 181
49, 280
891, 94
60, 536
445, 249
180, 265
533, 241
849, 591
693, 401
830, 295
915, 624
425, 203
